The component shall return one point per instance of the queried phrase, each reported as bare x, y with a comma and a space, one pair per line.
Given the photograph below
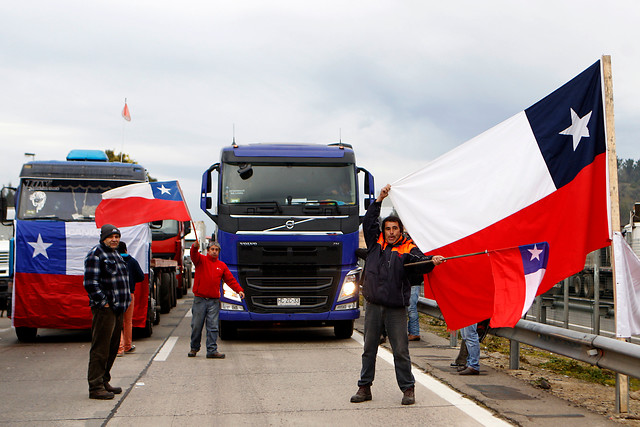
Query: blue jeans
414, 320
395, 321
470, 335
205, 309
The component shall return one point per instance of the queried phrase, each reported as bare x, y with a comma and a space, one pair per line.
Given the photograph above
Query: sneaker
414, 337
131, 350
101, 395
120, 354
192, 353
114, 390
409, 397
215, 355
363, 394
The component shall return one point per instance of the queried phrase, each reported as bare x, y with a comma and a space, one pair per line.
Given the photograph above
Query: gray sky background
402, 81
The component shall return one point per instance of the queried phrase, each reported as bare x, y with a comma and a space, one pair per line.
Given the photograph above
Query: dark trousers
105, 340
394, 319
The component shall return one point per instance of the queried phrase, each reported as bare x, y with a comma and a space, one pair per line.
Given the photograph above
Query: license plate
288, 301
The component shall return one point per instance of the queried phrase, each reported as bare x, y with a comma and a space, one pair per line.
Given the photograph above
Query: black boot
363, 394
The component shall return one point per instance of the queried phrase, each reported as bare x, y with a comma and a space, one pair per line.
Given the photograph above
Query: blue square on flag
43, 242
534, 257
568, 125
167, 190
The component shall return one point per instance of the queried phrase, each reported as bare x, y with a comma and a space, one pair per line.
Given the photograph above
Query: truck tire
343, 329
227, 330
26, 334
165, 293
180, 289
576, 285
174, 289
587, 286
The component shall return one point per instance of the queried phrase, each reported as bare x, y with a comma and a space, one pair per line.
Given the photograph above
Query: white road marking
165, 350
467, 406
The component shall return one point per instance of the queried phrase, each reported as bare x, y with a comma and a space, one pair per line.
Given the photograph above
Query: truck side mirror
187, 227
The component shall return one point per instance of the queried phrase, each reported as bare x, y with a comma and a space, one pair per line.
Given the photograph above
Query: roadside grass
549, 361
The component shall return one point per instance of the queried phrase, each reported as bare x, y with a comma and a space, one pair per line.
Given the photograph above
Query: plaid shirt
106, 278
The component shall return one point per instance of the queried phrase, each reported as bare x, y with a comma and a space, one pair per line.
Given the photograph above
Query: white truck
201, 231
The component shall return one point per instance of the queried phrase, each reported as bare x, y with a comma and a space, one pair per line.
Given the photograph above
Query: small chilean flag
125, 112
517, 273
139, 203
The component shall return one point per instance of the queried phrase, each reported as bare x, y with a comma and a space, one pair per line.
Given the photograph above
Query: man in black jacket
387, 290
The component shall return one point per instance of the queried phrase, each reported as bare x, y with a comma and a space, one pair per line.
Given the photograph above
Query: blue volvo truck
287, 220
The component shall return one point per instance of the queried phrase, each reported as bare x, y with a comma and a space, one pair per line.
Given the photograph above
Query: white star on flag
535, 253
164, 190
40, 247
578, 128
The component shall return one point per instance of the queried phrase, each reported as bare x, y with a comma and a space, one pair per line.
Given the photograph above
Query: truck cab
287, 220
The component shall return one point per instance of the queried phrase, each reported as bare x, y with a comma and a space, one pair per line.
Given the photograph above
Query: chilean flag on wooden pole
540, 176
139, 203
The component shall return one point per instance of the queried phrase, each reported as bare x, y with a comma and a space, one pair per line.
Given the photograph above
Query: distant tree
628, 188
124, 158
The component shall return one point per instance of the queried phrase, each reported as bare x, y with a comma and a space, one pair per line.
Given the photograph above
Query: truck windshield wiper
324, 203
262, 203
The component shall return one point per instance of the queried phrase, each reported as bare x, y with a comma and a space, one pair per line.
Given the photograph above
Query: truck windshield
164, 229
65, 200
290, 184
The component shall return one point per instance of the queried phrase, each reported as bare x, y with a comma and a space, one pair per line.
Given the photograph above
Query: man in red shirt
210, 272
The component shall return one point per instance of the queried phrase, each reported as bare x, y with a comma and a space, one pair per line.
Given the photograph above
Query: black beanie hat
107, 230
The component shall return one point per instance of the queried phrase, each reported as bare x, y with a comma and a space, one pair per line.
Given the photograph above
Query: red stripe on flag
54, 301
573, 220
137, 210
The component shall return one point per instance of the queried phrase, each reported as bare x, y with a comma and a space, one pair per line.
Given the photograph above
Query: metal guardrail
618, 356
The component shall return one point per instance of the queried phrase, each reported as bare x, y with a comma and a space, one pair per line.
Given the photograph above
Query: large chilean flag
139, 203
48, 289
540, 176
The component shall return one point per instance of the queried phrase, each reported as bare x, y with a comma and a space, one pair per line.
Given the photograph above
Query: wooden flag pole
447, 258
622, 381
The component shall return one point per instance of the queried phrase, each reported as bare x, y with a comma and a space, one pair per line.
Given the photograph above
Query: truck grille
315, 294
4, 264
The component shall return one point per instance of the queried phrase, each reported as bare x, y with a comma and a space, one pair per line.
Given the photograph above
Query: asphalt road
270, 377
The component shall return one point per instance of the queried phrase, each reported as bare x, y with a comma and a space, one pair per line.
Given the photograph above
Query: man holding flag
387, 291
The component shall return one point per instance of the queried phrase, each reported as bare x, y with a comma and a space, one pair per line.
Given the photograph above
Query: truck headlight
229, 293
350, 285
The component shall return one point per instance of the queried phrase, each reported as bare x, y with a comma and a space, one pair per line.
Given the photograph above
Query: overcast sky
402, 81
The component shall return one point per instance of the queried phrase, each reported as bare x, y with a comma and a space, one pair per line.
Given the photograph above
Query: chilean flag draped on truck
540, 176
49, 277
144, 202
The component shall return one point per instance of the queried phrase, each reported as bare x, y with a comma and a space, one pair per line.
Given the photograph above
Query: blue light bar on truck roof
87, 155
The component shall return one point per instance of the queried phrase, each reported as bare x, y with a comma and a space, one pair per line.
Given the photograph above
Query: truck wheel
587, 286
174, 289
227, 330
189, 276
576, 285
343, 329
26, 334
165, 292
180, 289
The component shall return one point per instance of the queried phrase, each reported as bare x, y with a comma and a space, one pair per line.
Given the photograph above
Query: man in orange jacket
210, 272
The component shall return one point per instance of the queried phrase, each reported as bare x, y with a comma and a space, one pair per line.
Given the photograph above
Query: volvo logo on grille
290, 224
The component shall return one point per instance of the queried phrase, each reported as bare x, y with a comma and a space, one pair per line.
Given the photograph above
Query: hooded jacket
386, 280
